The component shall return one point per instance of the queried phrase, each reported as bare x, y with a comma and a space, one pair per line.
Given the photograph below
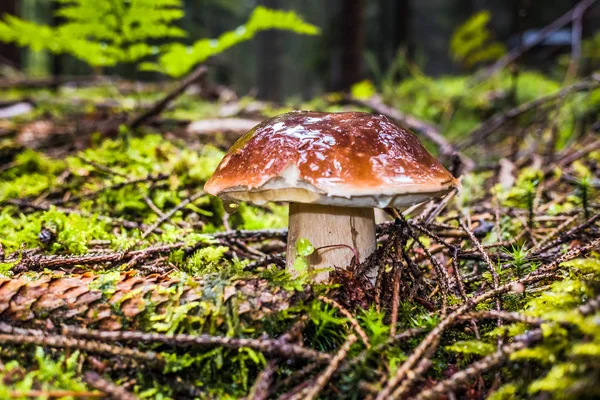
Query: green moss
505, 392
569, 338
32, 175
475, 347
67, 232
47, 373
374, 325
206, 261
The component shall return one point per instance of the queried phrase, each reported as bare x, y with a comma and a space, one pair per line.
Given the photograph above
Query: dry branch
267, 346
45, 207
479, 367
111, 389
430, 131
492, 124
542, 35
542, 273
313, 391
40, 338
172, 212
195, 75
260, 388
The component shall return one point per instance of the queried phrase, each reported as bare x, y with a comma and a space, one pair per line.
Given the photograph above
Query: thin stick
576, 33
440, 271
499, 356
548, 30
478, 368
506, 316
45, 207
568, 235
85, 345
554, 232
111, 389
461, 287
171, 212
267, 346
161, 214
538, 275
412, 376
100, 167
488, 262
195, 75
260, 389
395, 303
324, 377
294, 377
116, 186
55, 393
492, 124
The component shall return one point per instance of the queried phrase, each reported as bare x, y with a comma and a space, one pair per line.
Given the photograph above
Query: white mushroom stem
381, 216
344, 230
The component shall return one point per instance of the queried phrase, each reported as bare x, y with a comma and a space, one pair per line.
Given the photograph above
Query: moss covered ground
120, 277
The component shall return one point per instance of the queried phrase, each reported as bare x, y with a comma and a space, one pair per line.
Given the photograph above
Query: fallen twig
260, 389
313, 391
111, 389
480, 366
538, 275
116, 186
171, 212
488, 262
267, 346
430, 131
492, 124
45, 207
55, 393
41, 338
196, 74
542, 35
461, 287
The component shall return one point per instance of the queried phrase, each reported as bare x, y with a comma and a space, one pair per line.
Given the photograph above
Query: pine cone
112, 301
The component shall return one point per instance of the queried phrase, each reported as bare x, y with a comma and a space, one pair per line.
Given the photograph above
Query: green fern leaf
180, 59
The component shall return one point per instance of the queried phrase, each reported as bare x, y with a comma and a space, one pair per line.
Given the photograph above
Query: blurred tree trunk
10, 54
57, 67
352, 37
391, 33
268, 62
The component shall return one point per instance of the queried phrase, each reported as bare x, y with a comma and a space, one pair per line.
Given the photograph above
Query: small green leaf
363, 89
304, 247
300, 264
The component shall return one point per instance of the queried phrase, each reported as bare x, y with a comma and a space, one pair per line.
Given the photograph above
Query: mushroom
333, 169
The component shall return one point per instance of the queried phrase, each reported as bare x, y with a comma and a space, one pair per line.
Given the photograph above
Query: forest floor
121, 278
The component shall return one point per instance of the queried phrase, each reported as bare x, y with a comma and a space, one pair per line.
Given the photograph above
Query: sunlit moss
205, 261
46, 373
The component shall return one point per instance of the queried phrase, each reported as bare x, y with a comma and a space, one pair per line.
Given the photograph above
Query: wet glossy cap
348, 159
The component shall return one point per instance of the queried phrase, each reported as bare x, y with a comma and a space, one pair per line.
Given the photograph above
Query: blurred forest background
359, 39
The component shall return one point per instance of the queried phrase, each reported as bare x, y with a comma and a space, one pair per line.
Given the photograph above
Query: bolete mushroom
332, 169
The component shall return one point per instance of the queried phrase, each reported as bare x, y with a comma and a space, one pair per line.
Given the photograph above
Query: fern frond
105, 33
179, 59
470, 43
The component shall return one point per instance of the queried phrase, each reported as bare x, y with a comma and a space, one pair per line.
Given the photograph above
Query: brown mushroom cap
346, 159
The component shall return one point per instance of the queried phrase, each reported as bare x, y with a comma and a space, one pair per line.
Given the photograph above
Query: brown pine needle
359, 330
